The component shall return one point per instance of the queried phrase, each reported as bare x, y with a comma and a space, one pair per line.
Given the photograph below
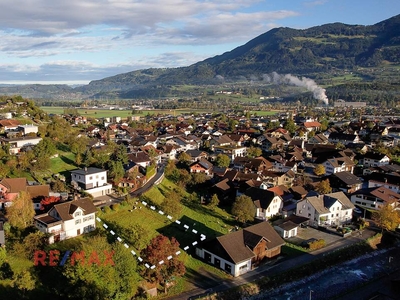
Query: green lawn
104, 113
198, 217
64, 162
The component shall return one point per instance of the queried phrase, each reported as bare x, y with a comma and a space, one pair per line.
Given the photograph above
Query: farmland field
106, 113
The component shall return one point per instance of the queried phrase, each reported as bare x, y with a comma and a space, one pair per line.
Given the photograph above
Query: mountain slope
326, 49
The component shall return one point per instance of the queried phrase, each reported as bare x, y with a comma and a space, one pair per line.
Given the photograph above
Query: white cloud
89, 34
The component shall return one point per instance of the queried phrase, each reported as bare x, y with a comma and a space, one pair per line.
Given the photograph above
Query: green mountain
322, 52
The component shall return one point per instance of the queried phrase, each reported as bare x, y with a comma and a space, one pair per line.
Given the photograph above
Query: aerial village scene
171, 183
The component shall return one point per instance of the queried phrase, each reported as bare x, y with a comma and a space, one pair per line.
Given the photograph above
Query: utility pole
311, 291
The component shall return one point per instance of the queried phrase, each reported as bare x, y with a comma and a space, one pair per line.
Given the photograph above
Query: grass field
104, 113
206, 221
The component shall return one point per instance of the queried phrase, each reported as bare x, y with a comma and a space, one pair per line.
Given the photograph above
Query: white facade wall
235, 269
286, 233
273, 209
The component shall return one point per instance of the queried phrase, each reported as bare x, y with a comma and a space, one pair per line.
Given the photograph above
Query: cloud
131, 33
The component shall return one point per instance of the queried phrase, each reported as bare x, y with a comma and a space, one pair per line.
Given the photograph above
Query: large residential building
67, 220
375, 197
92, 181
325, 210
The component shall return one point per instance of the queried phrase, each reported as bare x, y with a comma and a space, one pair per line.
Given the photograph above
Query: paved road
108, 200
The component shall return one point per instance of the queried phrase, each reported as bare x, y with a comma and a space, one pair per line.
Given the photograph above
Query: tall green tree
222, 160
109, 279
171, 205
254, 151
214, 201
45, 148
243, 209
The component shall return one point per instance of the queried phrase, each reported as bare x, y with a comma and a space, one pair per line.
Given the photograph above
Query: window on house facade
77, 221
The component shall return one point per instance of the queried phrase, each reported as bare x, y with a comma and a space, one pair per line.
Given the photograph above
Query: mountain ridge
321, 50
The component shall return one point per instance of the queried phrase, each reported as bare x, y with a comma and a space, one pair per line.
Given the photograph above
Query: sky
77, 41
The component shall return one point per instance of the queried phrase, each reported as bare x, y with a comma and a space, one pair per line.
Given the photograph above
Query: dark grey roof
348, 178
87, 171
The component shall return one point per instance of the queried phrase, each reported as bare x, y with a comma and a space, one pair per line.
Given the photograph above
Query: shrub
115, 207
107, 209
317, 244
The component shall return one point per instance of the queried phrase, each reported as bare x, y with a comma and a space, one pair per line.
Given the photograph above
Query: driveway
304, 234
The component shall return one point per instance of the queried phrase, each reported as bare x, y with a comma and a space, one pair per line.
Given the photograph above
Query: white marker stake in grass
178, 222
133, 252
126, 246
194, 231
169, 257
140, 259
119, 239
112, 232
169, 217
144, 203
98, 219
161, 262
160, 212
105, 226
177, 252
194, 243
187, 247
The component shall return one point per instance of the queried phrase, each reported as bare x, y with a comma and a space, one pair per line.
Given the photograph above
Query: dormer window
77, 214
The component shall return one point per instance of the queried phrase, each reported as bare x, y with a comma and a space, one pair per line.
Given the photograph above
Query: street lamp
390, 259
311, 291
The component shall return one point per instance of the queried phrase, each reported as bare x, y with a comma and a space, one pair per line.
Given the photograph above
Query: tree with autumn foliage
387, 217
20, 214
159, 249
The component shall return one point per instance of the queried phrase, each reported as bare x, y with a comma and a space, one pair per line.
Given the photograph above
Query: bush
115, 207
318, 244
107, 209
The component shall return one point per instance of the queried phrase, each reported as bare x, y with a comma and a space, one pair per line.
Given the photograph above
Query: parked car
357, 210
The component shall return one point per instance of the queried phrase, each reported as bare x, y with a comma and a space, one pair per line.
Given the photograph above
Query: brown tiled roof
65, 210
11, 123
15, 185
236, 246
38, 190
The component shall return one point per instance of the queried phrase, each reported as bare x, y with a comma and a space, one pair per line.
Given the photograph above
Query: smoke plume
309, 84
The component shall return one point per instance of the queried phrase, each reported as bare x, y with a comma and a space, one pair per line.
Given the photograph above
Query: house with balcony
374, 198
16, 144
338, 164
373, 159
67, 220
326, 210
92, 181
